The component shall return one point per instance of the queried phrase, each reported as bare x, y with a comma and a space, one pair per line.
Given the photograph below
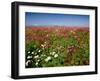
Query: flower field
56, 46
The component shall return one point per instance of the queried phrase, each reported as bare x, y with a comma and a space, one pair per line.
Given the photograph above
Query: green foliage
58, 51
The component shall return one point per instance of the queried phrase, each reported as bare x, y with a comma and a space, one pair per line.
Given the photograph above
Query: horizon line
54, 26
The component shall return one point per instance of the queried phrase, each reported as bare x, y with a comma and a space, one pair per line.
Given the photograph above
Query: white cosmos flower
43, 55
52, 53
36, 56
28, 51
56, 55
32, 52
47, 59
29, 57
27, 62
39, 51
36, 63
42, 45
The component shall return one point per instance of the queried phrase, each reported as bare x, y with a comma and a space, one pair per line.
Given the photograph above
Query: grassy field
56, 46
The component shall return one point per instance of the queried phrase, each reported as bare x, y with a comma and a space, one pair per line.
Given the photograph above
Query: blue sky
49, 19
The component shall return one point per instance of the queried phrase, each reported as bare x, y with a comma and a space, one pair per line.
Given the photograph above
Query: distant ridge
61, 26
